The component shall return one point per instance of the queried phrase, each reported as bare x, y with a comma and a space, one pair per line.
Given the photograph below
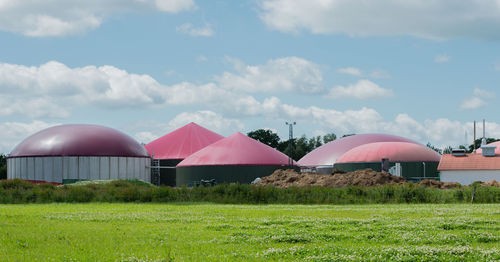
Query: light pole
290, 141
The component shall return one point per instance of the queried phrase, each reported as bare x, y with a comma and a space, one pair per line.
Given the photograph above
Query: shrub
19, 191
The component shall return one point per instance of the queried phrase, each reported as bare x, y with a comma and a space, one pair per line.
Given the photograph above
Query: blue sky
423, 70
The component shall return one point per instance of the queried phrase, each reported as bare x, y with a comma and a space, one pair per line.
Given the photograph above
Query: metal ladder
155, 171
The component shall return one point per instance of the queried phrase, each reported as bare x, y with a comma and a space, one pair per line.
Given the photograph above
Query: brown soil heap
491, 183
365, 177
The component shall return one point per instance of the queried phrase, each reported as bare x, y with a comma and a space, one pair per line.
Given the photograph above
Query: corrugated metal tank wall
58, 169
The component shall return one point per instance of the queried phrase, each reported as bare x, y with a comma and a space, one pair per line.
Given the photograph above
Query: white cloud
57, 85
39, 18
15, 132
202, 58
207, 119
472, 103
189, 29
363, 89
442, 58
427, 19
173, 6
477, 100
285, 74
483, 93
379, 74
350, 71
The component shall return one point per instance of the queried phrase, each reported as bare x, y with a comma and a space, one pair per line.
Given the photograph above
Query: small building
235, 159
324, 157
69, 153
175, 146
468, 168
414, 161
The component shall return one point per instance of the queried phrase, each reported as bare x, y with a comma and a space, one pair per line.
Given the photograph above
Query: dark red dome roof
79, 140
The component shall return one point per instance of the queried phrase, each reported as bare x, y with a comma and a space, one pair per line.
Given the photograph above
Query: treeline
468, 148
295, 148
19, 191
3, 166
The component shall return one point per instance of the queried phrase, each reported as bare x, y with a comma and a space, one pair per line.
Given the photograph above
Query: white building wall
467, 177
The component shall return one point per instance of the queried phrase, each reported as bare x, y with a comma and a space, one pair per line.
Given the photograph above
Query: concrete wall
56, 169
467, 177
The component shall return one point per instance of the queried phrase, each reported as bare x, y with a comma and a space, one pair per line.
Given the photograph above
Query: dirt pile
365, 177
491, 183
438, 184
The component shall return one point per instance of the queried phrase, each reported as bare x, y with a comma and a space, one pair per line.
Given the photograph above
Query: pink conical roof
182, 142
328, 153
238, 149
394, 151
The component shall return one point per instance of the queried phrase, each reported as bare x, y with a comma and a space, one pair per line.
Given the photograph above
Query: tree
447, 150
315, 142
346, 135
434, 148
3, 166
329, 137
265, 136
478, 143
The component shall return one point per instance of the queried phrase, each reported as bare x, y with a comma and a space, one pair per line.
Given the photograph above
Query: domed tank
415, 161
175, 146
237, 158
324, 157
69, 153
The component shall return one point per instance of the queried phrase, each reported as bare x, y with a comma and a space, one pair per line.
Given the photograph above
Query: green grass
217, 232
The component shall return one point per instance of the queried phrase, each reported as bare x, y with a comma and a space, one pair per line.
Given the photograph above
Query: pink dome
182, 142
394, 151
79, 140
237, 149
328, 153
497, 150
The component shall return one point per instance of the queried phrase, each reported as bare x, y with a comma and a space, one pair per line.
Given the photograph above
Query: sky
424, 70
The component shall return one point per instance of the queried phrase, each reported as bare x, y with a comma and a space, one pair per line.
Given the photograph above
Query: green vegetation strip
217, 232
17, 192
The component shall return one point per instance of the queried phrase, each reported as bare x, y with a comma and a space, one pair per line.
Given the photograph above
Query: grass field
216, 232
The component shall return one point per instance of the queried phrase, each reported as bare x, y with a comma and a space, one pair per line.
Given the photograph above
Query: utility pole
290, 141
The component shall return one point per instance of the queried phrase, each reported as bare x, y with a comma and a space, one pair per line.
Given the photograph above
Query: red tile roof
469, 162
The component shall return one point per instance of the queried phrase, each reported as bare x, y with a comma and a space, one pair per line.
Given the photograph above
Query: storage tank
175, 146
416, 161
324, 157
70, 153
237, 158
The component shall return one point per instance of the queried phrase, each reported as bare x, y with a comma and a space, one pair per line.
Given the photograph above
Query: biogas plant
193, 154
